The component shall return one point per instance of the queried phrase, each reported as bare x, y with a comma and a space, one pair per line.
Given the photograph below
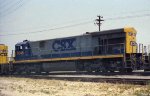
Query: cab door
102, 46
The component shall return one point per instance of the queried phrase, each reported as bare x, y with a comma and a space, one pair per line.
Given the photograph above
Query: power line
87, 18
138, 11
13, 8
10, 6
126, 17
131, 12
83, 23
4, 4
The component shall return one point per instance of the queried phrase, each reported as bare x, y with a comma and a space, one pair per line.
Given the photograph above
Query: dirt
11, 86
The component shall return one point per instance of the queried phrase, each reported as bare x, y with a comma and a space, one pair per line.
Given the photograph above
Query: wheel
88, 69
129, 70
122, 70
97, 70
145, 70
112, 71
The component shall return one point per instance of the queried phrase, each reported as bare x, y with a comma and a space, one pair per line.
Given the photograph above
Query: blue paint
63, 55
23, 50
58, 45
118, 51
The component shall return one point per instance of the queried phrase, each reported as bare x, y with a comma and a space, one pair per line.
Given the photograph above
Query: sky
46, 19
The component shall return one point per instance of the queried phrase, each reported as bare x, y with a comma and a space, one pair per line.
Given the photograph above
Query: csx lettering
64, 45
3, 54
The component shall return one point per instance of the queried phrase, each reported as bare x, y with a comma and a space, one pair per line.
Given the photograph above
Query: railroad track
85, 73
123, 78
97, 73
104, 79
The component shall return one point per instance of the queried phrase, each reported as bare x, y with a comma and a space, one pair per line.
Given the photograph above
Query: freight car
104, 51
4, 59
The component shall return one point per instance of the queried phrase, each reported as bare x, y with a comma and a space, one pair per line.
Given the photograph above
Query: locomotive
3, 58
102, 51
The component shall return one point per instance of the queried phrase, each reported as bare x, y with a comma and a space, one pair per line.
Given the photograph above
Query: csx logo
3, 53
64, 45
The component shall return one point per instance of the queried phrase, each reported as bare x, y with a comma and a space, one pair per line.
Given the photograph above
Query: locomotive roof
108, 31
126, 29
88, 33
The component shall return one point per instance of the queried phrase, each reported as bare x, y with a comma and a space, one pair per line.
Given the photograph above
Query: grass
42, 87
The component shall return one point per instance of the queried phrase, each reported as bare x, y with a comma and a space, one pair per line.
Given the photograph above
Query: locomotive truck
104, 51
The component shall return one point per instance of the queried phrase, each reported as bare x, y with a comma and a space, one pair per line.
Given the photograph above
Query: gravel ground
10, 86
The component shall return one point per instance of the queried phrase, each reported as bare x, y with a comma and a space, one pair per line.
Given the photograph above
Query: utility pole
98, 21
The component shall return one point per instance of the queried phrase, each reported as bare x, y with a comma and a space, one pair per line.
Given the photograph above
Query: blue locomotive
104, 51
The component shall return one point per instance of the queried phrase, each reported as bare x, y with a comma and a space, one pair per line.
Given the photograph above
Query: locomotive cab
22, 50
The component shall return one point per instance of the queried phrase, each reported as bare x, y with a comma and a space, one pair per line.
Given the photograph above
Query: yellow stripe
70, 58
3, 63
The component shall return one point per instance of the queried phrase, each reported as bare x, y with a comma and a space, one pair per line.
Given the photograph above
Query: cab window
19, 47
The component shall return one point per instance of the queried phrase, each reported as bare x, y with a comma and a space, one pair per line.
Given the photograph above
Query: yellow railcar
3, 54
4, 62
